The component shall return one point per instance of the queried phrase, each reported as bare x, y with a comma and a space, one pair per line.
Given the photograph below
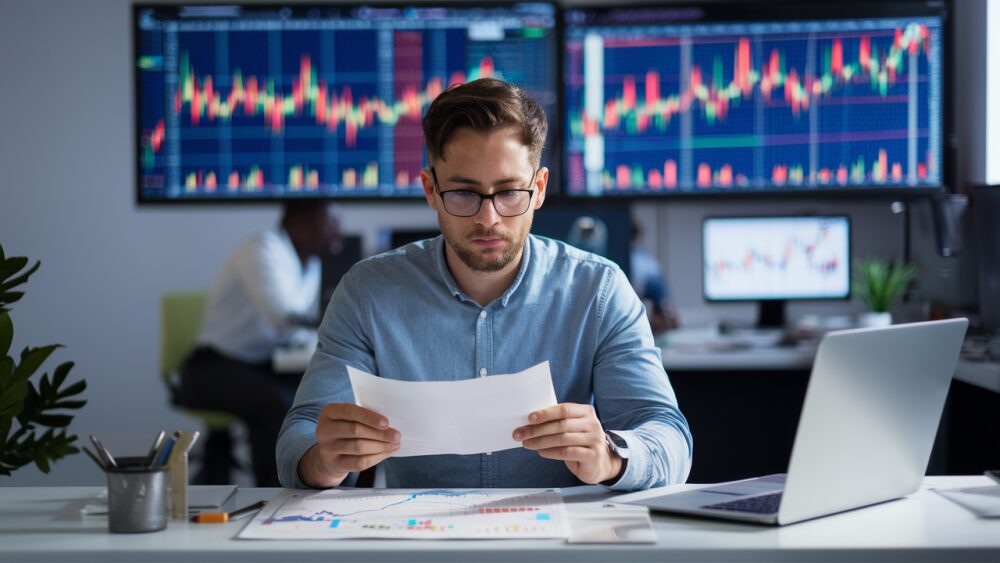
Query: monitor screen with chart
263, 102
789, 97
775, 259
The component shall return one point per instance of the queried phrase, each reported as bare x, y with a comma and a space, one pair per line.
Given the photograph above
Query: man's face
485, 164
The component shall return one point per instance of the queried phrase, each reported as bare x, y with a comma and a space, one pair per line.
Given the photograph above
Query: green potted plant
40, 434
878, 282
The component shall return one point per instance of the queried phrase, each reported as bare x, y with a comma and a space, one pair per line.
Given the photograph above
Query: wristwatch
618, 445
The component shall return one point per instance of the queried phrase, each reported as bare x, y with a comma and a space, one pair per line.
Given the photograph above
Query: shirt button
482, 372
482, 314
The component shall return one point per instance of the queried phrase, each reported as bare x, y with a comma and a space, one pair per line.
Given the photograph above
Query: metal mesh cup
137, 499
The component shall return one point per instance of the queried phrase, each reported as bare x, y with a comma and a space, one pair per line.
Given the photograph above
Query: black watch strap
618, 445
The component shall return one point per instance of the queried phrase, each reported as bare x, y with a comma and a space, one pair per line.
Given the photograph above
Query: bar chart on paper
412, 514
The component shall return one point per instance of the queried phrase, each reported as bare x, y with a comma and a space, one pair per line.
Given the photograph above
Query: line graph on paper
412, 514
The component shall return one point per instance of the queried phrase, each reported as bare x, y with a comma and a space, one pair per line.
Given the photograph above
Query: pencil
223, 517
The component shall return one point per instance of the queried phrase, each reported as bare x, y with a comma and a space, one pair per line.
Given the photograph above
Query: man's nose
487, 214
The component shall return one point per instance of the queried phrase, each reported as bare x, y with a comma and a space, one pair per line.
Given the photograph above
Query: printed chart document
411, 514
469, 416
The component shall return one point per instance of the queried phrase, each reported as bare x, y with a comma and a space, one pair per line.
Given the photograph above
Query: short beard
486, 263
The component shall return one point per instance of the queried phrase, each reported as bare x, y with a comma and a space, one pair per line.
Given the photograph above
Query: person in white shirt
266, 296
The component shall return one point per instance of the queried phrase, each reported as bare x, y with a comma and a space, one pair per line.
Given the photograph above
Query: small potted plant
34, 417
877, 283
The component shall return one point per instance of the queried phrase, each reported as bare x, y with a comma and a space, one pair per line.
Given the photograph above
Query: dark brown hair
484, 105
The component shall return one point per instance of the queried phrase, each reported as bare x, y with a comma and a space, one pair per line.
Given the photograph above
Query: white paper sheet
470, 416
609, 522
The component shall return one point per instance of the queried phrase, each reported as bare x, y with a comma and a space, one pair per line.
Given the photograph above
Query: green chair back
180, 320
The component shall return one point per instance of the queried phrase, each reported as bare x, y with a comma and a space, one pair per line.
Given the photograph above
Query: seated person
647, 280
267, 290
484, 298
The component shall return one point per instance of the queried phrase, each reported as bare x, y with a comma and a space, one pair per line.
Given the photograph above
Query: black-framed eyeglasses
467, 203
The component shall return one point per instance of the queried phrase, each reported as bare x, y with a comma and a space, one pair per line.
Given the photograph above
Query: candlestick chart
784, 106
314, 107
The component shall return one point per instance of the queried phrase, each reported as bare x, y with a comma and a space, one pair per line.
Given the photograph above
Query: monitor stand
771, 314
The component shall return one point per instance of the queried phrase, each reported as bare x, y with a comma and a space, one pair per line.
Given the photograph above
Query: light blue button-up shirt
402, 315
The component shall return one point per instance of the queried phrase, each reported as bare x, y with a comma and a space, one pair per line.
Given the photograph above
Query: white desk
980, 374
44, 524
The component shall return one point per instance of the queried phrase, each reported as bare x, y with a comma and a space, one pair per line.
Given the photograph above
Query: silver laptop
868, 423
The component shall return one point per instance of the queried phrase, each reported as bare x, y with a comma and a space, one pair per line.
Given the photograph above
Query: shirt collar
437, 249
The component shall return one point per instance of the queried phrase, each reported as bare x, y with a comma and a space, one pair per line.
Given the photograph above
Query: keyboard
763, 504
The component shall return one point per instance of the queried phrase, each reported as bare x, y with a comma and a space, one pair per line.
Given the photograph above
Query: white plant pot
873, 319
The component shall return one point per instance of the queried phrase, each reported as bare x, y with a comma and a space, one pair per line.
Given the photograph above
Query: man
267, 291
487, 298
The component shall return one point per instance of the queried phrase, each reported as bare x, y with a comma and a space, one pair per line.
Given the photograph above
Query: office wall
67, 198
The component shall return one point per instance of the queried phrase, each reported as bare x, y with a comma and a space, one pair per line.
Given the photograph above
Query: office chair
180, 319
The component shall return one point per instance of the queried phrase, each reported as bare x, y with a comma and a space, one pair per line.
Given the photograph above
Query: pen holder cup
137, 499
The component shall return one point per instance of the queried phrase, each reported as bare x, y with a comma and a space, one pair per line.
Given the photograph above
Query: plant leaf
74, 389
31, 359
4, 286
69, 404
59, 375
12, 401
55, 420
12, 265
10, 297
6, 334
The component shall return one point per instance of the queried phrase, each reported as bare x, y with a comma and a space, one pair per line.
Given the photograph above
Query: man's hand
572, 433
348, 438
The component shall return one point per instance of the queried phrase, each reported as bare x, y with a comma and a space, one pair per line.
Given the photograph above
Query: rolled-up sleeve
343, 341
633, 395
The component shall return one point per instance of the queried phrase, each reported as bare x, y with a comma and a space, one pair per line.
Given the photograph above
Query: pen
164, 454
94, 457
106, 457
151, 455
223, 517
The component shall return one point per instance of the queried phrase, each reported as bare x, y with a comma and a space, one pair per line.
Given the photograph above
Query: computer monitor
263, 102
391, 238
783, 96
775, 259
604, 229
986, 222
335, 263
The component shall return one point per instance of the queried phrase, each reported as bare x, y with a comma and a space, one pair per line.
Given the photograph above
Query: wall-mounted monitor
775, 259
755, 97
264, 102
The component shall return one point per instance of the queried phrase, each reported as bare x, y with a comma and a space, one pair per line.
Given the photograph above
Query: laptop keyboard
763, 504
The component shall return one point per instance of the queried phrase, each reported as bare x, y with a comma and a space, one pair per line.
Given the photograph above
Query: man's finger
342, 429
568, 453
562, 410
560, 426
350, 411
352, 447
582, 439
360, 462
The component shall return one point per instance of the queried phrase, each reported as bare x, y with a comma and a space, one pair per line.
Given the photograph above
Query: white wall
67, 198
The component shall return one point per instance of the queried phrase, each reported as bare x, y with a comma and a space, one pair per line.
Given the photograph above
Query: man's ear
428, 181
541, 183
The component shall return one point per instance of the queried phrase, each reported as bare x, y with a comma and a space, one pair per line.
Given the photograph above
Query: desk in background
44, 524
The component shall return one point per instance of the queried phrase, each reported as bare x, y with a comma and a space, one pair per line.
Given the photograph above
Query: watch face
617, 440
